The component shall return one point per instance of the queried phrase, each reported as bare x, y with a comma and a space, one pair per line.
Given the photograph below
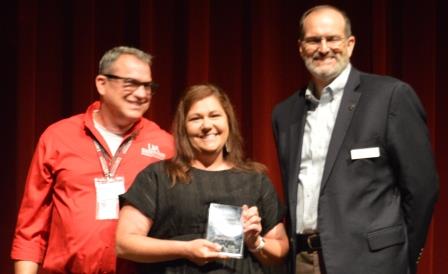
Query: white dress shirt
317, 134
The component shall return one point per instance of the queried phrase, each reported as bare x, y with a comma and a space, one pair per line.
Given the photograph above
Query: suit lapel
347, 108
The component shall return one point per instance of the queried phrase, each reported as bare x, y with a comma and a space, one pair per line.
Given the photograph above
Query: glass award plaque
225, 228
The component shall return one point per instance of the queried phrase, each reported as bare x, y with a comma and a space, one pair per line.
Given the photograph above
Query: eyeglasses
130, 85
332, 41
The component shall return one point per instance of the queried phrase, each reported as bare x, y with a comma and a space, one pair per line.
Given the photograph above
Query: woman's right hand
201, 251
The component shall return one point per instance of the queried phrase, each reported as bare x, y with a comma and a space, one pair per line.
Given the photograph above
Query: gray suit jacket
373, 213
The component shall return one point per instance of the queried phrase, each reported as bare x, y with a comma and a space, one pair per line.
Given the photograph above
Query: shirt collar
88, 121
339, 83
336, 86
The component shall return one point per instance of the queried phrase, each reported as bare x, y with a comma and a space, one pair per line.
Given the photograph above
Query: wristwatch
260, 245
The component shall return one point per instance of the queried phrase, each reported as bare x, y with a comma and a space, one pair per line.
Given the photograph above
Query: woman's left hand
252, 226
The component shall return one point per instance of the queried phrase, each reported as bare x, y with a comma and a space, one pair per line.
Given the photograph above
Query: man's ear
351, 41
299, 45
100, 82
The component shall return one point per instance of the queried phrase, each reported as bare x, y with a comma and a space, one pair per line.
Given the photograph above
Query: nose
323, 46
141, 92
206, 124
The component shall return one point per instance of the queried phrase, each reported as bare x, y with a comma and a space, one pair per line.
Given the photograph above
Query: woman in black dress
164, 215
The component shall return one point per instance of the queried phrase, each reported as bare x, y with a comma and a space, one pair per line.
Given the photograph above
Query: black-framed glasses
332, 41
131, 85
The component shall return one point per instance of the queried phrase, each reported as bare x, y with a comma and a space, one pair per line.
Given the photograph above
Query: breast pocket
365, 159
369, 149
386, 237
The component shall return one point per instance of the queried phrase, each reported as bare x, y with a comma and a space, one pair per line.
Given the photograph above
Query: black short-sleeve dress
180, 212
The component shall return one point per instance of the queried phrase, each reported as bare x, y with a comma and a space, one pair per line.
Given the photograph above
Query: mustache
321, 56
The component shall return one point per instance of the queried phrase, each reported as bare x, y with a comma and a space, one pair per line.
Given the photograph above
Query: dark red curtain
51, 48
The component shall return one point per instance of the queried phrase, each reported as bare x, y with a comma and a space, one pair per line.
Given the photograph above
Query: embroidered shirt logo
153, 151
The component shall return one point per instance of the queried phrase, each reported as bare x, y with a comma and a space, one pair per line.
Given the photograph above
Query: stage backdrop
51, 49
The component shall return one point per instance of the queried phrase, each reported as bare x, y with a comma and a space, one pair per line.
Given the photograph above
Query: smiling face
325, 47
123, 104
207, 127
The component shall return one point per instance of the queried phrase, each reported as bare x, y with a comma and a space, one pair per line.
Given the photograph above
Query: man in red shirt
69, 211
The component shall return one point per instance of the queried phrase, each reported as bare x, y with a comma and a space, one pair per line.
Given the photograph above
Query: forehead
206, 104
128, 65
324, 22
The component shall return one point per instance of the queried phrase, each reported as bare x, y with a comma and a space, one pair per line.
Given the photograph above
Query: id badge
107, 191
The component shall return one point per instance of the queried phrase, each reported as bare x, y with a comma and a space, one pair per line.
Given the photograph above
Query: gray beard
326, 76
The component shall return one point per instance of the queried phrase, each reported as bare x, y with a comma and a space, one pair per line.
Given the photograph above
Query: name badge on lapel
365, 153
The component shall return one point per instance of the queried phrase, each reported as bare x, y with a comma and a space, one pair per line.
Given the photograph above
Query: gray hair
112, 55
348, 25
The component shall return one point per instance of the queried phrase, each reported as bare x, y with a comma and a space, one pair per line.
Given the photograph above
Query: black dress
180, 212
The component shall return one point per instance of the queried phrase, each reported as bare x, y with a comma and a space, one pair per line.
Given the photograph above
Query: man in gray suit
356, 161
